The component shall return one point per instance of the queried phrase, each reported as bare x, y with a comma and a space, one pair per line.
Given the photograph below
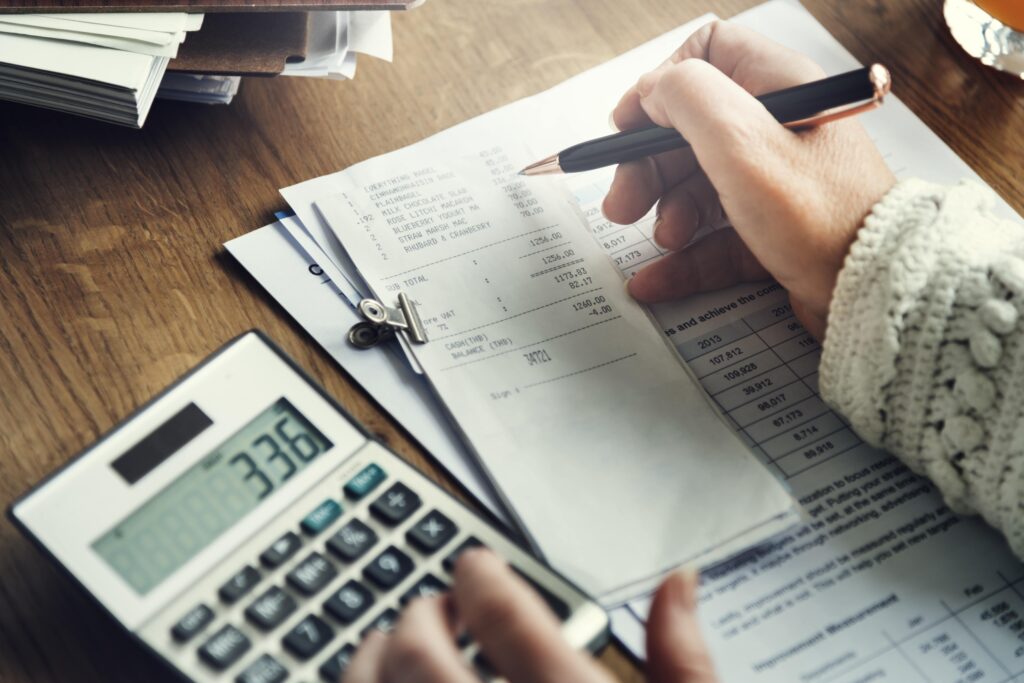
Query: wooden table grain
113, 280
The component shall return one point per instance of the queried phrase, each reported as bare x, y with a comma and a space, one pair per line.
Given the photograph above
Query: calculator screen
197, 507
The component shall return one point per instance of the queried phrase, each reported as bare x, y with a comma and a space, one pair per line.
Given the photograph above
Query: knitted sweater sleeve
924, 349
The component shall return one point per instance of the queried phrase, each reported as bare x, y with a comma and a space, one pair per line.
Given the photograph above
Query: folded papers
111, 66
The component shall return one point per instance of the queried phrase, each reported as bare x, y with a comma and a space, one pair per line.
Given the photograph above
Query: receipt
576, 405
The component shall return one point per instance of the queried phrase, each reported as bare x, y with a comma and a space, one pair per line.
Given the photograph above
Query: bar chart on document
868, 513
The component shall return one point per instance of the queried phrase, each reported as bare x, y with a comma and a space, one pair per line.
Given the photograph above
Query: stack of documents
878, 581
105, 66
110, 66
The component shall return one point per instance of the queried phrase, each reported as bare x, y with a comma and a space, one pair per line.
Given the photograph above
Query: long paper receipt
548, 367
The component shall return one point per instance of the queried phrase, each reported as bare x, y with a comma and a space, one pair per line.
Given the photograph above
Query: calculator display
197, 507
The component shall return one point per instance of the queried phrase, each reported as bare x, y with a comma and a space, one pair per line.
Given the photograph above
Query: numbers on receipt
504, 174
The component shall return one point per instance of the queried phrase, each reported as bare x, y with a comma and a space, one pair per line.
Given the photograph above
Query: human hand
519, 636
794, 200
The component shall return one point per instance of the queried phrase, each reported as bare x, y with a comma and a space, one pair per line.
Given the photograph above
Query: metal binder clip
382, 323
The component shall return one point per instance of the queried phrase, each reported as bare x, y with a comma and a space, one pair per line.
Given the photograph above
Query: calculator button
349, 602
271, 608
426, 587
224, 647
396, 504
449, 561
266, 669
556, 604
281, 551
385, 621
321, 517
389, 568
194, 621
432, 532
308, 637
352, 541
334, 668
367, 480
239, 584
312, 574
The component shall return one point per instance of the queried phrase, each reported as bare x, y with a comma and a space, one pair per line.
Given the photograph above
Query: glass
990, 30
211, 496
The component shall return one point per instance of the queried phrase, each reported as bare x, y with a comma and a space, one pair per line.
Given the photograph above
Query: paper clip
383, 322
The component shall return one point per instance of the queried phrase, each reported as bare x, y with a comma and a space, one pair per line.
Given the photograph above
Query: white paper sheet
167, 22
70, 24
371, 34
125, 70
119, 31
169, 48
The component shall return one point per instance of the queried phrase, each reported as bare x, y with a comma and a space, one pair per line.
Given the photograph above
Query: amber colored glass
990, 31
1010, 12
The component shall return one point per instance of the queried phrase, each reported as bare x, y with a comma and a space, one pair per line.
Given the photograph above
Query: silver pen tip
543, 167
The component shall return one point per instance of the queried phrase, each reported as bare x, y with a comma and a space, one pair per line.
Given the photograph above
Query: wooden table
114, 281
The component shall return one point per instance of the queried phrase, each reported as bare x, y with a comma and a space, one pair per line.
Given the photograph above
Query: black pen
802, 106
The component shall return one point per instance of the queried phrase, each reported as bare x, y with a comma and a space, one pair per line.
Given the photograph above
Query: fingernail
611, 122
467, 557
689, 580
373, 636
645, 84
657, 230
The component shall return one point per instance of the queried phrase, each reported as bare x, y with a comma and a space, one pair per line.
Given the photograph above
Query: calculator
245, 528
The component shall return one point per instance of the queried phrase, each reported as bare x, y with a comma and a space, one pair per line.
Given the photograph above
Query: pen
802, 106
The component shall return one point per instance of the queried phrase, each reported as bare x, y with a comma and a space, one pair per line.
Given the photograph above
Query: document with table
879, 582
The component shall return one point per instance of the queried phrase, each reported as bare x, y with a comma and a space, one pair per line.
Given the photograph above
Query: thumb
676, 652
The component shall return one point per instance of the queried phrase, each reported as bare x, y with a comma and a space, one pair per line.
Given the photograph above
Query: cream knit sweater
924, 351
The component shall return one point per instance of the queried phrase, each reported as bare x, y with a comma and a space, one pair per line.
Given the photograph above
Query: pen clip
382, 322
880, 79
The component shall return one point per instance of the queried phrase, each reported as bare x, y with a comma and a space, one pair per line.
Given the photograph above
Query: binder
206, 6
246, 44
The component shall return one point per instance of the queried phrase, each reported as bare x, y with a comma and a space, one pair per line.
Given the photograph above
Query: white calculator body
244, 528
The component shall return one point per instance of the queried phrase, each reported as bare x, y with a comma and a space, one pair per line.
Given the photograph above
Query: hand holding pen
795, 200
797, 108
